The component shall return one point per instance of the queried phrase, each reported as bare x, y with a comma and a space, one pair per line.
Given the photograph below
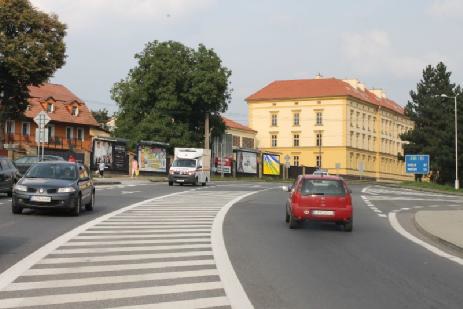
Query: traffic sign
417, 164
287, 158
41, 135
42, 119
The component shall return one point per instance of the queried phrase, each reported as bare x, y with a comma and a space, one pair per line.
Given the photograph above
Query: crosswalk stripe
118, 267
121, 258
106, 295
142, 236
199, 303
124, 242
21, 286
71, 250
146, 231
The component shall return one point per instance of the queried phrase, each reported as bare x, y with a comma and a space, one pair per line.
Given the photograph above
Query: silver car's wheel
90, 205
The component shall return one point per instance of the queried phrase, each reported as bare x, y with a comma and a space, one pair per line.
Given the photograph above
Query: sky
383, 43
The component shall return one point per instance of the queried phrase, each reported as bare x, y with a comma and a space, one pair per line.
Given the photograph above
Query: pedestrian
134, 167
101, 167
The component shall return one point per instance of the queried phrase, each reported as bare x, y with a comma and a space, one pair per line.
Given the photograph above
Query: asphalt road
320, 266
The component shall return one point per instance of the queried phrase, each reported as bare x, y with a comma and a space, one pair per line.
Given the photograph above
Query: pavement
123, 179
445, 226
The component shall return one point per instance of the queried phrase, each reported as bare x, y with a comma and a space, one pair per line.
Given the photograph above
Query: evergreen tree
434, 131
166, 96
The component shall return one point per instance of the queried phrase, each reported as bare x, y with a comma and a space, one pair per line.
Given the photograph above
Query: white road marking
129, 249
134, 242
399, 229
184, 304
144, 236
105, 295
19, 286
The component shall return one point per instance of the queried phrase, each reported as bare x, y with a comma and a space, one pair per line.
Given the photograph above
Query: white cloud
446, 8
78, 13
373, 53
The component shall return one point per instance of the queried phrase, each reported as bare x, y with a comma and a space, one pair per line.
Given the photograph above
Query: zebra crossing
157, 254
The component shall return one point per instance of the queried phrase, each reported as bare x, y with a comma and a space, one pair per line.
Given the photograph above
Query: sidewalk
117, 180
444, 226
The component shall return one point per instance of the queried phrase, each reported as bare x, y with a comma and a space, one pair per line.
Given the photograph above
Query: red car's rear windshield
322, 187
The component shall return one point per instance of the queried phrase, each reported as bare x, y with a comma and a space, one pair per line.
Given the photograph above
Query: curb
421, 189
436, 238
101, 183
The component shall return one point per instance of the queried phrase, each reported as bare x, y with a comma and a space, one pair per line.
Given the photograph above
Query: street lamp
457, 182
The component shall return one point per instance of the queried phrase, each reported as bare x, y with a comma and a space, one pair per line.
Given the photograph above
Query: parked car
319, 198
23, 163
55, 185
8, 175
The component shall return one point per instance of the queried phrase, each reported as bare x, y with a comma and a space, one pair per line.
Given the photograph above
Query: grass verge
429, 186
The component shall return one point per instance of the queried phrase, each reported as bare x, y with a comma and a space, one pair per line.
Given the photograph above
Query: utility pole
206, 131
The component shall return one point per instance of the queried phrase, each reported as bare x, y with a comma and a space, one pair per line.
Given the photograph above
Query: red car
319, 198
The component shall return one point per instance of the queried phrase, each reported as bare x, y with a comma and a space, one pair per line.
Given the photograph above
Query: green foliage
101, 116
166, 96
31, 50
434, 131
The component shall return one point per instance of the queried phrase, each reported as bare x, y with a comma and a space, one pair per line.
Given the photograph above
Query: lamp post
457, 182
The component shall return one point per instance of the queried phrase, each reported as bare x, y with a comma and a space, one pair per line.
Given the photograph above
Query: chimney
379, 93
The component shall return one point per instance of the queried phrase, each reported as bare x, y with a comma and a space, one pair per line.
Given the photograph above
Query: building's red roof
235, 125
63, 100
324, 87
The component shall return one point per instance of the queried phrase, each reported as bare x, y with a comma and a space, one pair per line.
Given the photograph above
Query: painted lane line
399, 229
20, 267
382, 215
20, 286
106, 295
232, 286
118, 267
127, 257
212, 302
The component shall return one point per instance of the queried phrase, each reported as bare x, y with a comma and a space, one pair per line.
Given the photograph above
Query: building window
9, 127
51, 132
369, 120
296, 160
50, 108
351, 139
274, 120
26, 128
363, 121
274, 140
357, 120
236, 141
75, 111
319, 119
248, 142
374, 124
319, 139
296, 119
319, 161
296, 140
69, 133
352, 118
80, 134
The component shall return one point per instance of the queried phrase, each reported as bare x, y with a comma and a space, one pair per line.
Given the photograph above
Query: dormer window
75, 111
50, 108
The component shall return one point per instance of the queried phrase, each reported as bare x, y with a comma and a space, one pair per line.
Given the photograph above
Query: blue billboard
417, 164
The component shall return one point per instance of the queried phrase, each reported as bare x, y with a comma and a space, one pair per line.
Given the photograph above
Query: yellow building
338, 125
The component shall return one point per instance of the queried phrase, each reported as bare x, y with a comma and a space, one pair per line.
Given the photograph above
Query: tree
433, 115
101, 116
31, 50
167, 95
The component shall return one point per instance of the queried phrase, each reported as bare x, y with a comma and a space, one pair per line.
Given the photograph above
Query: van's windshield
184, 163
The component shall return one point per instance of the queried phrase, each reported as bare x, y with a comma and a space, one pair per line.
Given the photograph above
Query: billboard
246, 162
152, 158
111, 152
271, 164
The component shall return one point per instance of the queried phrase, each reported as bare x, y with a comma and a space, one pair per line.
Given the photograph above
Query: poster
120, 159
246, 162
271, 164
152, 158
102, 152
227, 165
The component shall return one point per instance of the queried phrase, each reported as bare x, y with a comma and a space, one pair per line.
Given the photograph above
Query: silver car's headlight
20, 188
66, 190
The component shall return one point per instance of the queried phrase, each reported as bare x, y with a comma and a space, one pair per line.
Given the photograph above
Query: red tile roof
325, 87
63, 100
235, 125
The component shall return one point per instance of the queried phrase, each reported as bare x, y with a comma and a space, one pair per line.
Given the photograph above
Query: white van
191, 165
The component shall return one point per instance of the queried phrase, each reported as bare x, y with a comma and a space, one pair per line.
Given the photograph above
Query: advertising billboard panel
111, 152
152, 158
246, 162
271, 164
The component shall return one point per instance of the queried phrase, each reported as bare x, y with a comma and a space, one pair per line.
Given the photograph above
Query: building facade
338, 125
242, 136
69, 129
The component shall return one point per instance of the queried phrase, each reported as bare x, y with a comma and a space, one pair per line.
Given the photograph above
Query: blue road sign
417, 164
